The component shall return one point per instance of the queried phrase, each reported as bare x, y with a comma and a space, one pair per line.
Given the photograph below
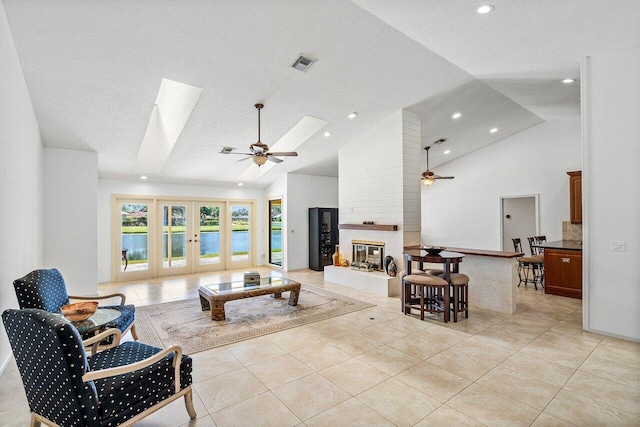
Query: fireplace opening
367, 255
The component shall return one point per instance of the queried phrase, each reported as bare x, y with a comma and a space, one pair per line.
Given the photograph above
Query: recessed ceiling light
143, 177
327, 134
494, 130
485, 8
447, 151
567, 81
352, 115
240, 184
456, 115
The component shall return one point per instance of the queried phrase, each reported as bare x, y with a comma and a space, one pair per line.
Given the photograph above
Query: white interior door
519, 220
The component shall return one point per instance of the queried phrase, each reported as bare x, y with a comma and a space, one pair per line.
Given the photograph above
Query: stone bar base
375, 282
492, 282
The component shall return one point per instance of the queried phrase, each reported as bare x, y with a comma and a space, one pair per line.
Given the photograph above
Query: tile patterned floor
379, 367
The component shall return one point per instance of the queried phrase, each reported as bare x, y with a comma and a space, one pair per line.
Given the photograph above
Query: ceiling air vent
440, 141
302, 64
227, 150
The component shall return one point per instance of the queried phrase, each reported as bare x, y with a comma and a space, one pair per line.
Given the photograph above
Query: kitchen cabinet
323, 236
563, 269
575, 196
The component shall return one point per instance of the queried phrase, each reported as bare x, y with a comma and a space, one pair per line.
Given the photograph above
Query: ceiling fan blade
443, 177
246, 158
243, 154
283, 153
274, 159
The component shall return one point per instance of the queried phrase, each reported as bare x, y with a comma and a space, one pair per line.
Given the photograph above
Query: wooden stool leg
456, 302
466, 301
422, 289
447, 304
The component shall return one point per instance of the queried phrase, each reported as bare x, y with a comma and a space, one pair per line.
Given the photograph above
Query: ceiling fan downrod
259, 107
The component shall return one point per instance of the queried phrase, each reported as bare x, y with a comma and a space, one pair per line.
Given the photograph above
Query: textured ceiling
94, 69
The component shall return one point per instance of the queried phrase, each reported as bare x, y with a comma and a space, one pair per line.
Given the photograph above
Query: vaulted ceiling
94, 70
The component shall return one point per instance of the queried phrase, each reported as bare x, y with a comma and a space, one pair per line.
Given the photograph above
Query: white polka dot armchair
118, 386
46, 290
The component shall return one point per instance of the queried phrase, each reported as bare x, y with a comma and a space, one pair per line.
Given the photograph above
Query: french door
175, 240
162, 237
275, 232
209, 236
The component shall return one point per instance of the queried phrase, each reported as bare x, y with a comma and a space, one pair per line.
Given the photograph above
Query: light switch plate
617, 246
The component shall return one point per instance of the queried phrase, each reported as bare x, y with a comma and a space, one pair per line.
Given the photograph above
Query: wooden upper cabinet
575, 196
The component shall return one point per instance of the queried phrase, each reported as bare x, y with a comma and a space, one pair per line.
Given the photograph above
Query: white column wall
108, 187
465, 211
21, 179
611, 196
71, 217
370, 188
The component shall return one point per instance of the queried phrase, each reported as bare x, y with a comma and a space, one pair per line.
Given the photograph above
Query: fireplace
367, 255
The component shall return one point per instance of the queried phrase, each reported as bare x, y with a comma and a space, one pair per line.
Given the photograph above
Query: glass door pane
241, 245
208, 237
275, 232
175, 244
134, 237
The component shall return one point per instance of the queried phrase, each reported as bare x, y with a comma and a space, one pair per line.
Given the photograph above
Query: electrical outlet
617, 246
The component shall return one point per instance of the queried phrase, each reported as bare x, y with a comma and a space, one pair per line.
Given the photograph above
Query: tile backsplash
571, 231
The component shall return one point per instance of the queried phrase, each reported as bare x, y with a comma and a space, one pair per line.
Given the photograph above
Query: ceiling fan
259, 152
427, 176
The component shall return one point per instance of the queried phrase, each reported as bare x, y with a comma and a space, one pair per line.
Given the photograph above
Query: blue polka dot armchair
118, 386
46, 290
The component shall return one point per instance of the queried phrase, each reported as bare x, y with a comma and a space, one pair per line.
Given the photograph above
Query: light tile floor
380, 367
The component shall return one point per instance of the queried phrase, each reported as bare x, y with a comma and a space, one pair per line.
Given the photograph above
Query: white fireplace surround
376, 282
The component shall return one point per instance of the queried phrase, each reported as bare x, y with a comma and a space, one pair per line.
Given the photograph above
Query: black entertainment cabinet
323, 236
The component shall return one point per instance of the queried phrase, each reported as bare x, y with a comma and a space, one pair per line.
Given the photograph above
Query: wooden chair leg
188, 402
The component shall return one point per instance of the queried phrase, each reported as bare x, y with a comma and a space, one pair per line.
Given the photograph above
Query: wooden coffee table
213, 297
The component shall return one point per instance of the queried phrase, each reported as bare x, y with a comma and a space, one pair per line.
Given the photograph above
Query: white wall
299, 193
108, 187
304, 192
71, 206
611, 195
465, 211
21, 179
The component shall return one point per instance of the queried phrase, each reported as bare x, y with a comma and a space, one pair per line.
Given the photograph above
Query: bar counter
566, 245
493, 277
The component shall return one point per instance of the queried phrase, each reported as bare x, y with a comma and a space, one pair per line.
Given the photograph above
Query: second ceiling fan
429, 177
260, 152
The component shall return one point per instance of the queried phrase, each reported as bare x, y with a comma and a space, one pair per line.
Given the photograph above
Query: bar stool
460, 286
430, 292
528, 264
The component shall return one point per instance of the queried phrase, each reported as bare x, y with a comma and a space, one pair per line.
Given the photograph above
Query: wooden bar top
479, 252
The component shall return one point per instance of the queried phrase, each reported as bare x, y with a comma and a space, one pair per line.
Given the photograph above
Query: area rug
185, 324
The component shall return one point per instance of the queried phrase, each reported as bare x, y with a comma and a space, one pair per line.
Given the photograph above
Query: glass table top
240, 286
100, 318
